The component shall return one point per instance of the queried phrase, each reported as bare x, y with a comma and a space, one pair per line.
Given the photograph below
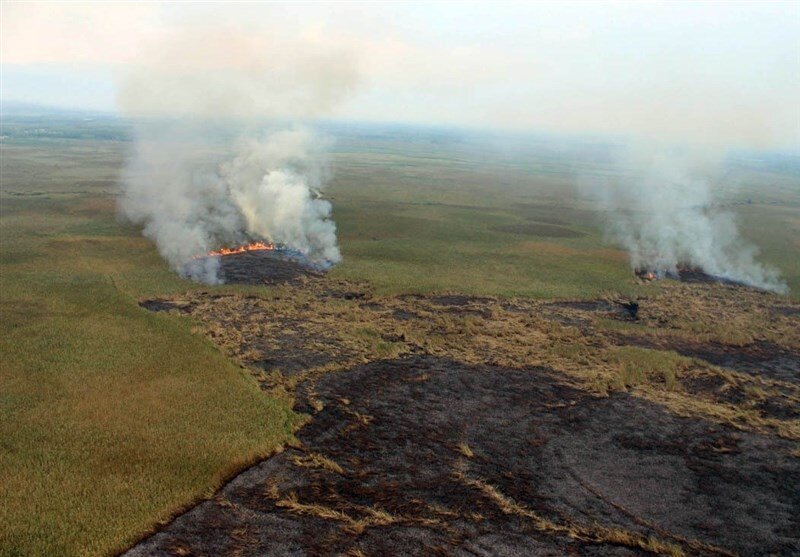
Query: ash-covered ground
456, 425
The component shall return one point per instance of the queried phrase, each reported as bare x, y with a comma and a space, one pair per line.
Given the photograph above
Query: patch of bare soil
455, 425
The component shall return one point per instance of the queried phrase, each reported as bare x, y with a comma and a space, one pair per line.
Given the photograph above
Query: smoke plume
195, 185
268, 191
661, 208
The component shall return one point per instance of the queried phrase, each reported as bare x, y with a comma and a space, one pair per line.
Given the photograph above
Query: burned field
456, 425
263, 266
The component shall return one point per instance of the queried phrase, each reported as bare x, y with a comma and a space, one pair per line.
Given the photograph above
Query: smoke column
194, 184
661, 209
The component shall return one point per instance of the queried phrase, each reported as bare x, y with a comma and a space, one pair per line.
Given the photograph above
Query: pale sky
716, 72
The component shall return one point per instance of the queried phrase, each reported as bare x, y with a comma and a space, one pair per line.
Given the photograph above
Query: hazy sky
707, 72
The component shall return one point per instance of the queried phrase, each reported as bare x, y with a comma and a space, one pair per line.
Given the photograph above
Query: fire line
255, 246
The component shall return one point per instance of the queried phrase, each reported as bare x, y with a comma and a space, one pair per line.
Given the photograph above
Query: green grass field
112, 418
424, 215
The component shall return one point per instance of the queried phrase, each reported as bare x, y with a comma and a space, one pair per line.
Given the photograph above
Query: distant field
112, 417
430, 214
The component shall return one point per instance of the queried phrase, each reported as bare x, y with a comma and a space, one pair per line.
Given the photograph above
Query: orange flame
255, 246
644, 274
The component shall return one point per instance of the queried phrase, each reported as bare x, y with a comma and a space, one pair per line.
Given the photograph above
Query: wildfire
680, 270
255, 246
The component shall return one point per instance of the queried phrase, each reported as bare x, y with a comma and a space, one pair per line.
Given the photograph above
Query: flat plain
113, 418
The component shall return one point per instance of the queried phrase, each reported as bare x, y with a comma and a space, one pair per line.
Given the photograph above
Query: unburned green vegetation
427, 213
111, 417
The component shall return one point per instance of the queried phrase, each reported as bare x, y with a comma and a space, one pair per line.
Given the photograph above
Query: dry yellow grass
464, 449
370, 516
292, 504
316, 460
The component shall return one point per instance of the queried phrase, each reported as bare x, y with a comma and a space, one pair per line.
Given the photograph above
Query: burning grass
254, 246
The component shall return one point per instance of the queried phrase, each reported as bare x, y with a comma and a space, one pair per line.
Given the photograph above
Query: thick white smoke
661, 208
275, 185
185, 100
267, 191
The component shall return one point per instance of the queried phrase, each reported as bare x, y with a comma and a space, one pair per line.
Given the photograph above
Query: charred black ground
686, 274
455, 425
264, 267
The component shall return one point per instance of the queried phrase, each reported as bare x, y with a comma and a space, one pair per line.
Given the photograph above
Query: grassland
112, 418
428, 214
